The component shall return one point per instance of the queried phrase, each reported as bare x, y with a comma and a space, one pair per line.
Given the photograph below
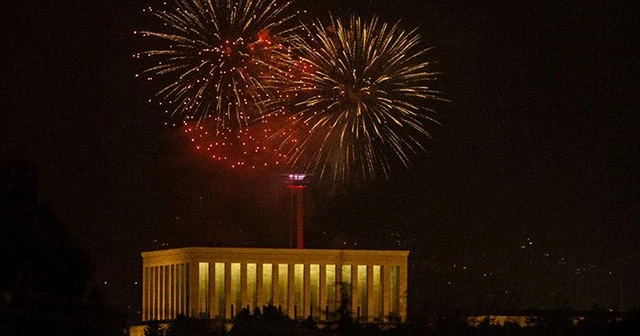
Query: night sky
526, 198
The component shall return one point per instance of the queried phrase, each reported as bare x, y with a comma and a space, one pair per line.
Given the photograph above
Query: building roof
307, 256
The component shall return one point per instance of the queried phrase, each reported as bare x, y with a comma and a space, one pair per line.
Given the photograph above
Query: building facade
216, 283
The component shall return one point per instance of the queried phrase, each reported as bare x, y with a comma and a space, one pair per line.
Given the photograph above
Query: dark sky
527, 198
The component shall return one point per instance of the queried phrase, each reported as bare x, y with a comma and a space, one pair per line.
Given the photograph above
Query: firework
246, 149
358, 104
218, 59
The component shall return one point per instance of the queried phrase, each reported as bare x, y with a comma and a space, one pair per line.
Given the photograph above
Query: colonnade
219, 286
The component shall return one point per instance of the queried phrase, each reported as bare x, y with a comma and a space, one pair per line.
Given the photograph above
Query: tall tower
297, 182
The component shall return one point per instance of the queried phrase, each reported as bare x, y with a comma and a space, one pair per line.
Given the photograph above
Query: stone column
243, 287
151, 293
386, 289
183, 289
372, 300
213, 299
259, 290
275, 286
167, 292
145, 295
161, 293
338, 285
322, 299
306, 294
193, 288
402, 299
228, 298
291, 290
155, 295
354, 292
171, 283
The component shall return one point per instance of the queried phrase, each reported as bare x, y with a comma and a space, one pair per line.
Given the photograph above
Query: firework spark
359, 107
220, 58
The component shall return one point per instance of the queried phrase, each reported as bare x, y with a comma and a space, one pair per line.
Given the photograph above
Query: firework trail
219, 59
358, 102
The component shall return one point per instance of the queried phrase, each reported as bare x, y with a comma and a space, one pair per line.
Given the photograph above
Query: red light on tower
297, 182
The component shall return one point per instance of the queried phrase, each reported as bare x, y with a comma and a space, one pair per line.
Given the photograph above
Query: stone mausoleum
216, 283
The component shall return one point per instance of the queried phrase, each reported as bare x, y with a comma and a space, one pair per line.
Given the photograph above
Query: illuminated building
215, 283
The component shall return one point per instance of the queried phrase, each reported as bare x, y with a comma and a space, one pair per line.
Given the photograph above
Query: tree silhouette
44, 283
153, 329
37, 253
187, 326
